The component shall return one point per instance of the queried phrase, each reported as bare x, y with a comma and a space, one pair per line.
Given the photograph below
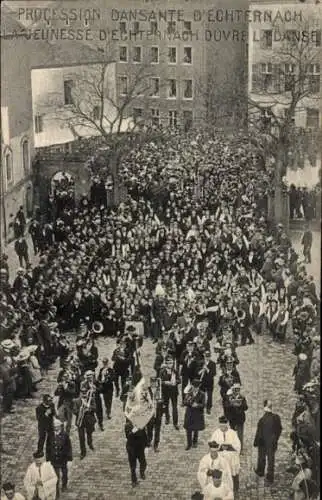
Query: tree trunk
281, 208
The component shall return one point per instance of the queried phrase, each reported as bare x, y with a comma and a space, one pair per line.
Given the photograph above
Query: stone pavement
13, 260
266, 372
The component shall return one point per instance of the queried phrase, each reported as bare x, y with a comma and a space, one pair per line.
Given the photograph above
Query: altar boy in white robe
40, 479
230, 447
217, 489
211, 461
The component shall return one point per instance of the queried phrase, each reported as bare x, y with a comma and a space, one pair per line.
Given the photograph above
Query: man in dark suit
136, 442
59, 452
45, 413
206, 375
268, 431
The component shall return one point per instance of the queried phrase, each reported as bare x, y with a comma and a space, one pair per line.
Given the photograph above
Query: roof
45, 54
65, 53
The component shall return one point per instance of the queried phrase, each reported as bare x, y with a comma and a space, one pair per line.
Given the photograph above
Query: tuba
97, 327
85, 406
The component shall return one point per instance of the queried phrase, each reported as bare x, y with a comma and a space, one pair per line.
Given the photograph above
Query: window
313, 75
187, 55
155, 87
154, 27
186, 25
135, 27
171, 27
271, 76
317, 38
8, 164
292, 37
137, 54
172, 55
266, 39
187, 120
312, 118
173, 118
266, 117
289, 73
96, 112
172, 89
68, 88
25, 156
123, 27
123, 85
154, 54
123, 54
155, 117
39, 124
187, 89
137, 114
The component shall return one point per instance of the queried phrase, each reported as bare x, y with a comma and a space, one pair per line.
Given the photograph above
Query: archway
62, 192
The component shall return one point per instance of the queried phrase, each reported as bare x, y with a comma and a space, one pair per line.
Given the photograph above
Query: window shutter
276, 70
256, 78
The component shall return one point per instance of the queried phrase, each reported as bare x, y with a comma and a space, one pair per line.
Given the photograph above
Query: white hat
302, 356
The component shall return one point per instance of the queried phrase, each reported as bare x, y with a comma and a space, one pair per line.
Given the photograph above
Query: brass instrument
85, 406
97, 327
202, 372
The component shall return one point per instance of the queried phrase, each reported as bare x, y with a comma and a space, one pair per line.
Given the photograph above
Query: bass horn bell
97, 327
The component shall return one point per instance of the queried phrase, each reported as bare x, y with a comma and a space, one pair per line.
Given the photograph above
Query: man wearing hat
10, 493
40, 480
194, 418
206, 375
170, 381
235, 407
268, 432
45, 413
84, 408
59, 452
211, 461
229, 443
188, 364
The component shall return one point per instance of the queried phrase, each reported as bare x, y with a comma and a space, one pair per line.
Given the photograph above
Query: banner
139, 405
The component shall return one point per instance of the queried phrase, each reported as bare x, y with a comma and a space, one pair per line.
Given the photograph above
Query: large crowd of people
190, 255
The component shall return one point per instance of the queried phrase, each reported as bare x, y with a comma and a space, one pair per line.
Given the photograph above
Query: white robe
223, 492
232, 457
220, 463
48, 477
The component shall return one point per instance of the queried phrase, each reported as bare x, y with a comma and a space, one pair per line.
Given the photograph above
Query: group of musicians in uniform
182, 357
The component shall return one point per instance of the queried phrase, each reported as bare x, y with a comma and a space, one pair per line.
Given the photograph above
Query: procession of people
188, 262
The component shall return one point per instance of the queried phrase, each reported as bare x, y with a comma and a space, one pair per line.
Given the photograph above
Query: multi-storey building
17, 140
169, 55
285, 57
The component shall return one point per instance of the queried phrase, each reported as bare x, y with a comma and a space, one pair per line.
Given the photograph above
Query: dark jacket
59, 448
268, 431
194, 418
135, 440
45, 415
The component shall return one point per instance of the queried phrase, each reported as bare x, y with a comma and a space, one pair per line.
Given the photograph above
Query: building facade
54, 93
17, 139
285, 57
169, 55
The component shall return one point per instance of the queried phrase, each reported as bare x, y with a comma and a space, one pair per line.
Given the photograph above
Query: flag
139, 407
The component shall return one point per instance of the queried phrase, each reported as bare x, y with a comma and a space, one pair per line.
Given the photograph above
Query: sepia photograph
160, 263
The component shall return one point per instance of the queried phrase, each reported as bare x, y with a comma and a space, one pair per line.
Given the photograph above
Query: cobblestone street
265, 370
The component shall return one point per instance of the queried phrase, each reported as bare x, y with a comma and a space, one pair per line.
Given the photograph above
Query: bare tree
102, 106
282, 86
